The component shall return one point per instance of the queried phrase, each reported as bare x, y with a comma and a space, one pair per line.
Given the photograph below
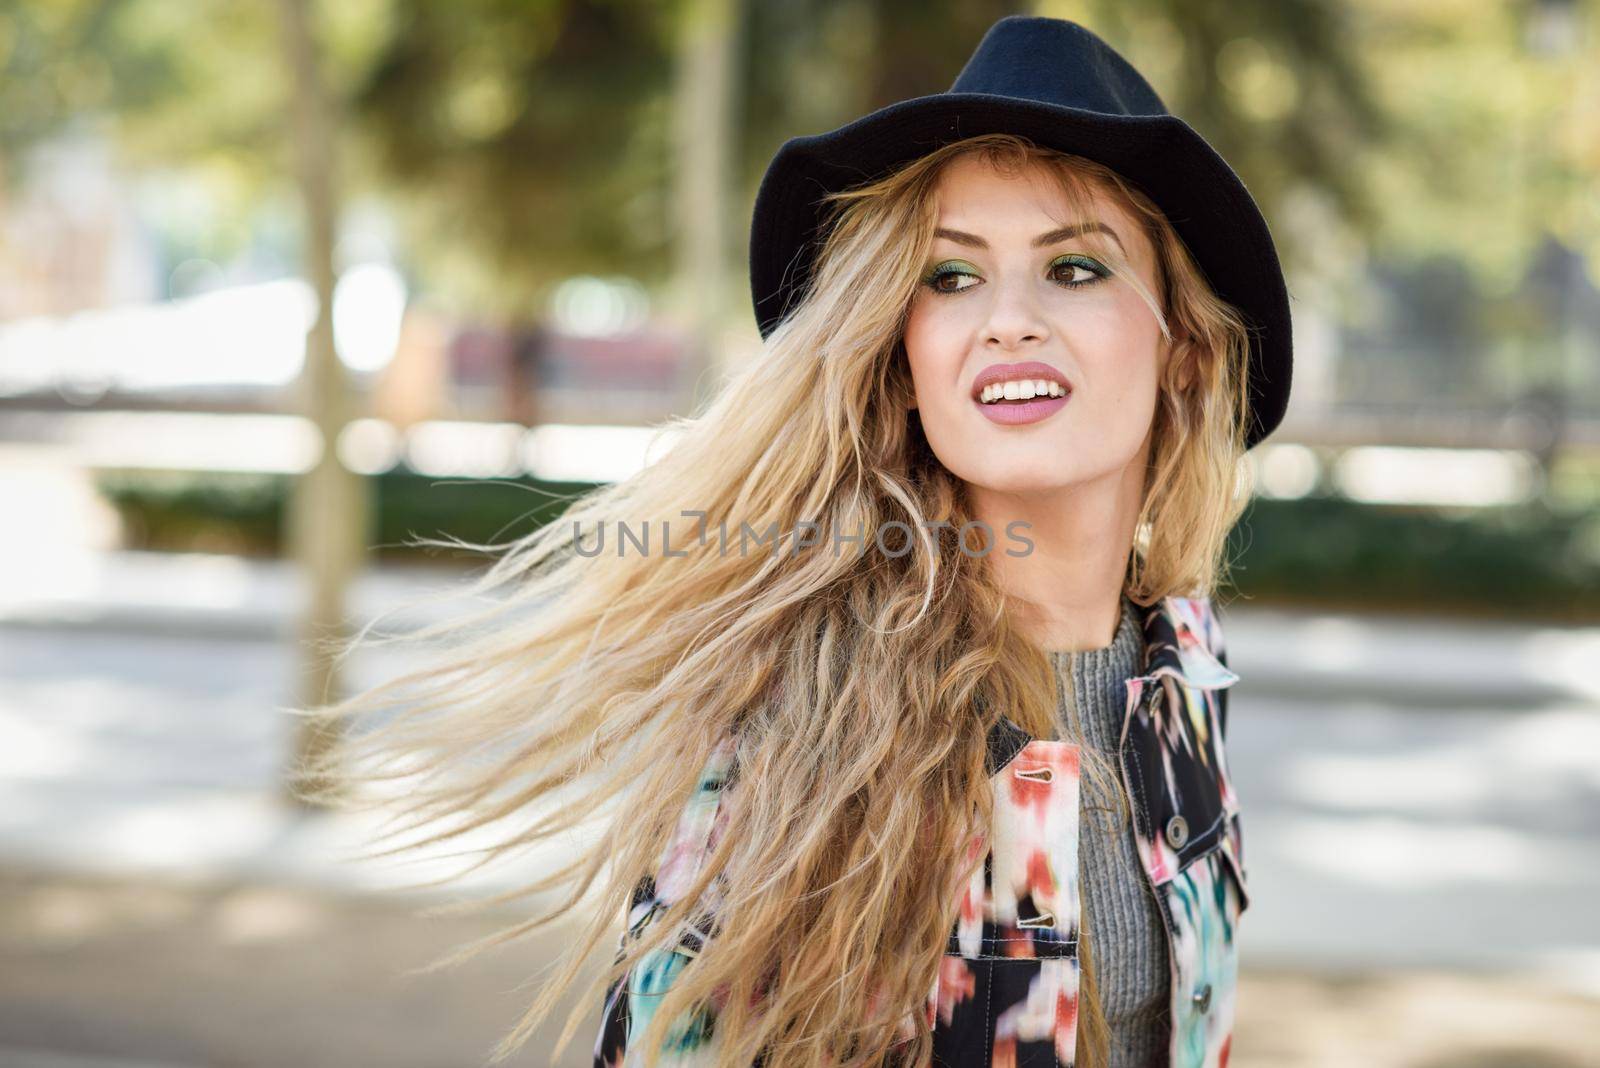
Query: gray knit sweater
1127, 938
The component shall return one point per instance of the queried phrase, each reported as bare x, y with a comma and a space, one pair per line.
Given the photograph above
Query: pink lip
1030, 411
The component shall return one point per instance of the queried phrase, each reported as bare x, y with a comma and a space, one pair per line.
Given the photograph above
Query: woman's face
992, 299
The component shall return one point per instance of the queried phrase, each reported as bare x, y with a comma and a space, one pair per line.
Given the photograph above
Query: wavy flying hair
581, 705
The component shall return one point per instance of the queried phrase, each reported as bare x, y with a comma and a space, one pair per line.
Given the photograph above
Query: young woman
905, 713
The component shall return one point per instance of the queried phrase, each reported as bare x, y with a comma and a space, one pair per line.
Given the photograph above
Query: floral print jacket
1007, 993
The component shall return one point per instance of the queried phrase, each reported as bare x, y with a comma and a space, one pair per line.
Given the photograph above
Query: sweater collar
1181, 640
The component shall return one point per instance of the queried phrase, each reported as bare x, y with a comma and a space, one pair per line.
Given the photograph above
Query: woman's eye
948, 280
1064, 271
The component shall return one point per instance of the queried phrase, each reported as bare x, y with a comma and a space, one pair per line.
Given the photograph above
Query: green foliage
1527, 561
1524, 560
182, 83
532, 139
231, 512
528, 141
243, 513
483, 511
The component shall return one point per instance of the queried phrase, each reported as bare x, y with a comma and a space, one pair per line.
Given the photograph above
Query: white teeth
1021, 389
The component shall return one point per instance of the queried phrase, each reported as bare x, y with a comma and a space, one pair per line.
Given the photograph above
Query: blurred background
524, 223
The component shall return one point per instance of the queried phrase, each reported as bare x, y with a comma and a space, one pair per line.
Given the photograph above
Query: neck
1066, 592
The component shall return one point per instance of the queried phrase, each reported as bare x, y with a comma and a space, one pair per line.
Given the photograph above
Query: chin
1012, 478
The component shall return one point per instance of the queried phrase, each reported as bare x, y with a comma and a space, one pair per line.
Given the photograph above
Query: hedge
1528, 561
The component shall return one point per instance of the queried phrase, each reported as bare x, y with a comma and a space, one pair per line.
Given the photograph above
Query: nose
1014, 316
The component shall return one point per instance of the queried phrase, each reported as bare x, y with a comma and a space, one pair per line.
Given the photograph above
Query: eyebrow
1053, 237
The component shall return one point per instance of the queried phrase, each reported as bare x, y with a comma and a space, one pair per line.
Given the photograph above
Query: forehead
971, 194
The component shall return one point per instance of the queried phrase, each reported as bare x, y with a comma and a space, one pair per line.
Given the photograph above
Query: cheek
1121, 372
931, 353
1126, 379
1122, 354
1121, 401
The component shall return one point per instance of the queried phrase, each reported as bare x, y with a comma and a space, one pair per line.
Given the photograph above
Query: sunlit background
527, 222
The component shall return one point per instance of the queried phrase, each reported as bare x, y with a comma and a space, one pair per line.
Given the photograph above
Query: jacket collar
1179, 636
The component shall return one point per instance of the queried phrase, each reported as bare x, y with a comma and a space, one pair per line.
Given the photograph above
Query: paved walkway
118, 973
1423, 832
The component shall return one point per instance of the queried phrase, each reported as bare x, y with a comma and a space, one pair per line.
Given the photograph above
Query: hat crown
1057, 62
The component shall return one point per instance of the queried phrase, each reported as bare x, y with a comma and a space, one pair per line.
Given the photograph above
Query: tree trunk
704, 132
327, 509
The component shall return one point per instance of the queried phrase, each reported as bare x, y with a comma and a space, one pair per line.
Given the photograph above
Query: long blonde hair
861, 685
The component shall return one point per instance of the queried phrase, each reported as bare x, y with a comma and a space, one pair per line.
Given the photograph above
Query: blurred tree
241, 89
1499, 109
532, 139
529, 140
196, 88
1278, 86
1390, 121
703, 136
329, 511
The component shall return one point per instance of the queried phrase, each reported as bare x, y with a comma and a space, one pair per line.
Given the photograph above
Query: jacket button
1177, 832
1202, 998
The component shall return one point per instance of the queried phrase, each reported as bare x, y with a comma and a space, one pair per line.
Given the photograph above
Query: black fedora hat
1059, 85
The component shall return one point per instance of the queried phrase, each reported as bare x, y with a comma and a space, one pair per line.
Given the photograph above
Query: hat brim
1205, 201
